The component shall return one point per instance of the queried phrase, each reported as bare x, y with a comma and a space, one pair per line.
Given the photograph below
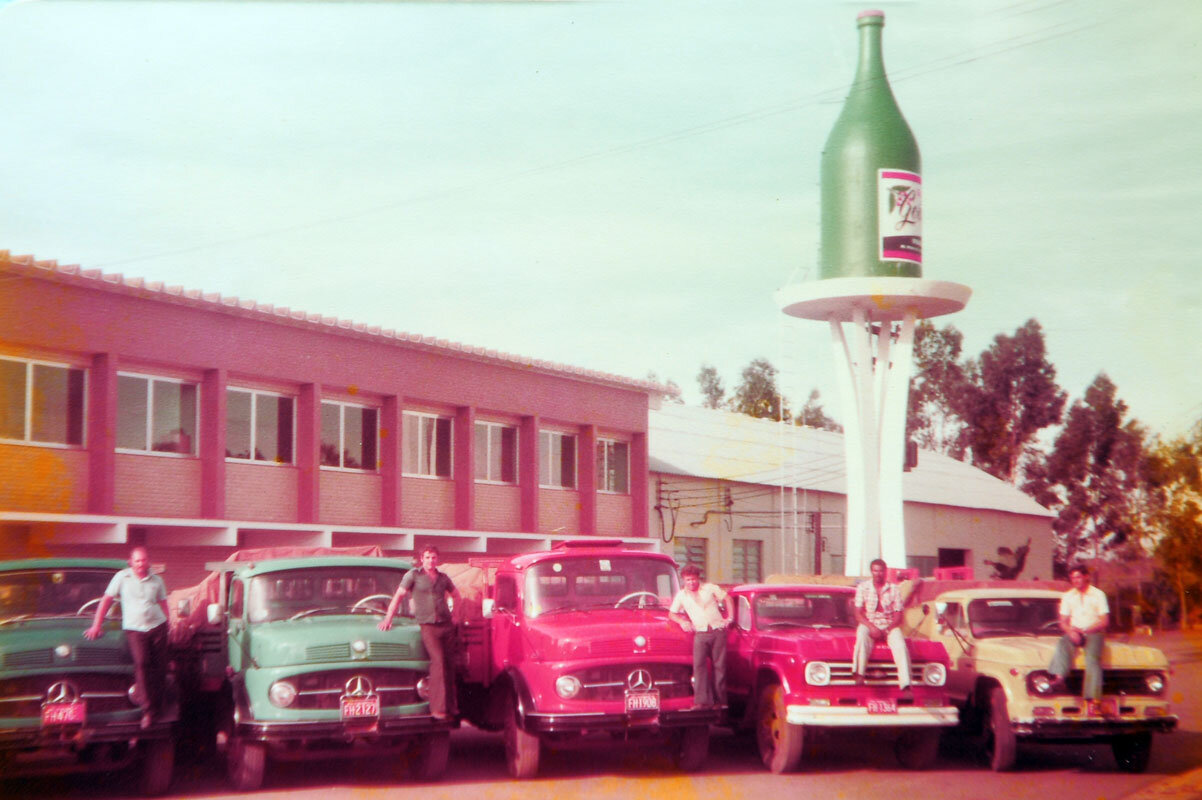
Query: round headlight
934, 674
423, 688
282, 693
818, 673
1040, 683
567, 686
1155, 682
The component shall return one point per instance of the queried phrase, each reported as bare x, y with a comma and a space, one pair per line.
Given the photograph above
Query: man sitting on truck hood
879, 611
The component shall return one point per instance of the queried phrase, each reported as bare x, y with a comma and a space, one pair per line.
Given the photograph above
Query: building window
427, 443
258, 426
496, 452
691, 552
156, 415
613, 466
747, 566
557, 459
348, 436
924, 564
41, 403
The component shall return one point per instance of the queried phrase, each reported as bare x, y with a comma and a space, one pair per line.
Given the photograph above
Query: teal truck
287, 655
67, 703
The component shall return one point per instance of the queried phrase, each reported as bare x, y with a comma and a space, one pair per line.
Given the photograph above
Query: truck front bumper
78, 737
336, 730
858, 716
588, 722
1065, 730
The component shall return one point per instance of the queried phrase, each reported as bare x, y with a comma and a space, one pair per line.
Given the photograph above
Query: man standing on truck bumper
430, 588
879, 612
1084, 617
706, 613
144, 620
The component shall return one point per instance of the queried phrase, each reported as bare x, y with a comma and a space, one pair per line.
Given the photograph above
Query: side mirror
487, 606
214, 614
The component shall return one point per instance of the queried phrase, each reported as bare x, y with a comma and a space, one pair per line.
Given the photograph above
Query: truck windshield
297, 593
1014, 616
572, 584
50, 592
804, 610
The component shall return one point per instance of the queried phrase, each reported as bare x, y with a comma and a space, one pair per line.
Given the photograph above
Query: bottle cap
869, 14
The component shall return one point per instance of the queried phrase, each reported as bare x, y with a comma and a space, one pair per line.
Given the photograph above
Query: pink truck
574, 648
789, 676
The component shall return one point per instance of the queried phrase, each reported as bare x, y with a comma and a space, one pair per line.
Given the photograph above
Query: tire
1001, 744
1132, 751
156, 767
429, 757
692, 748
917, 748
521, 748
245, 764
780, 744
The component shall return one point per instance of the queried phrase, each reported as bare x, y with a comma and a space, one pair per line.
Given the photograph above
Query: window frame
756, 545
254, 410
545, 452
490, 427
605, 448
150, 382
435, 419
682, 559
342, 405
27, 432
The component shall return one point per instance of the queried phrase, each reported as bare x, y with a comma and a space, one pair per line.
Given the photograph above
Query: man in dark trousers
430, 588
144, 619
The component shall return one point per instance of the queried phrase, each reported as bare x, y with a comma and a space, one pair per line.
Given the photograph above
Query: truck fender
524, 700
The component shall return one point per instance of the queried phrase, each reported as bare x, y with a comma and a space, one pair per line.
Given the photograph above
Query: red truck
574, 645
789, 676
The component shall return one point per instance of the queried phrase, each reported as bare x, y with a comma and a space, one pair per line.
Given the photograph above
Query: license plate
882, 706
360, 707
63, 713
642, 701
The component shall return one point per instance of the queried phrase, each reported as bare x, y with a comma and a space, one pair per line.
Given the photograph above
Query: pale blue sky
619, 185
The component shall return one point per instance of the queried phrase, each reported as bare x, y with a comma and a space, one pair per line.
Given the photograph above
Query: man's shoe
147, 720
1093, 708
905, 691
439, 715
1058, 684
859, 678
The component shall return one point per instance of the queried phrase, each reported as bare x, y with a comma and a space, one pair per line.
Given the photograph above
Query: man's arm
456, 604
106, 602
1100, 626
386, 623
674, 614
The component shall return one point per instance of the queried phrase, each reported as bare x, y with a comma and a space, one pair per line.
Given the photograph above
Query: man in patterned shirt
879, 612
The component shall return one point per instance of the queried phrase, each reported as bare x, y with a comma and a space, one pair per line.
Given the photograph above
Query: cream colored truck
1000, 642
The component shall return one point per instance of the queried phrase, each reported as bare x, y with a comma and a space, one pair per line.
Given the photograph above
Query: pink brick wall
558, 509
157, 486
614, 517
349, 498
43, 479
498, 508
264, 492
427, 503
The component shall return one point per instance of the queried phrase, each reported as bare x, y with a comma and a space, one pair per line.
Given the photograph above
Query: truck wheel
1001, 745
158, 762
780, 743
521, 748
1132, 751
917, 748
692, 748
246, 762
429, 757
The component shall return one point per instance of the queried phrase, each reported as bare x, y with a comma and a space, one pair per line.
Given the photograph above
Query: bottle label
899, 202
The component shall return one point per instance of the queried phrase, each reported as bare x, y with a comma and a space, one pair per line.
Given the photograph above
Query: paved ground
849, 767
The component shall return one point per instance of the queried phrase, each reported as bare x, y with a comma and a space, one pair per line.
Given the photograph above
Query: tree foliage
758, 395
938, 391
812, 415
713, 392
1094, 478
1175, 477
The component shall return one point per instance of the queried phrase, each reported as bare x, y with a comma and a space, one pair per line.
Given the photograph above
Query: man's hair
1084, 570
690, 570
431, 548
880, 561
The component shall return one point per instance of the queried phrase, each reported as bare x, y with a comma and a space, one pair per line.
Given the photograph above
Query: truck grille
1114, 681
658, 646
609, 682
322, 690
100, 656
876, 673
376, 651
26, 659
22, 697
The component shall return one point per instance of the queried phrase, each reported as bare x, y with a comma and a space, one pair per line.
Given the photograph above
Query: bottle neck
871, 68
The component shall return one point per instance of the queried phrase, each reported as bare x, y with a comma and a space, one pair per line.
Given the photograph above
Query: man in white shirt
144, 619
1084, 618
878, 607
704, 609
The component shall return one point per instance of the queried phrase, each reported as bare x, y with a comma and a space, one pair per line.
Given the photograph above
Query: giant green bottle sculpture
871, 177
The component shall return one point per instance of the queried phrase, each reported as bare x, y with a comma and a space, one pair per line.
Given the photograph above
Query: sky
620, 185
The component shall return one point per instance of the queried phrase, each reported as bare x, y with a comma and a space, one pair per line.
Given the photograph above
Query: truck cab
789, 676
299, 669
68, 704
577, 646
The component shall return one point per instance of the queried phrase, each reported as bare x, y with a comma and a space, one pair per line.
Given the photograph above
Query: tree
1094, 477
1175, 477
812, 415
713, 393
757, 395
938, 391
1010, 395
673, 388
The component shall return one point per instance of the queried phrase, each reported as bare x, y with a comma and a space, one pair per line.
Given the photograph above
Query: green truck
66, 703
287, 655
